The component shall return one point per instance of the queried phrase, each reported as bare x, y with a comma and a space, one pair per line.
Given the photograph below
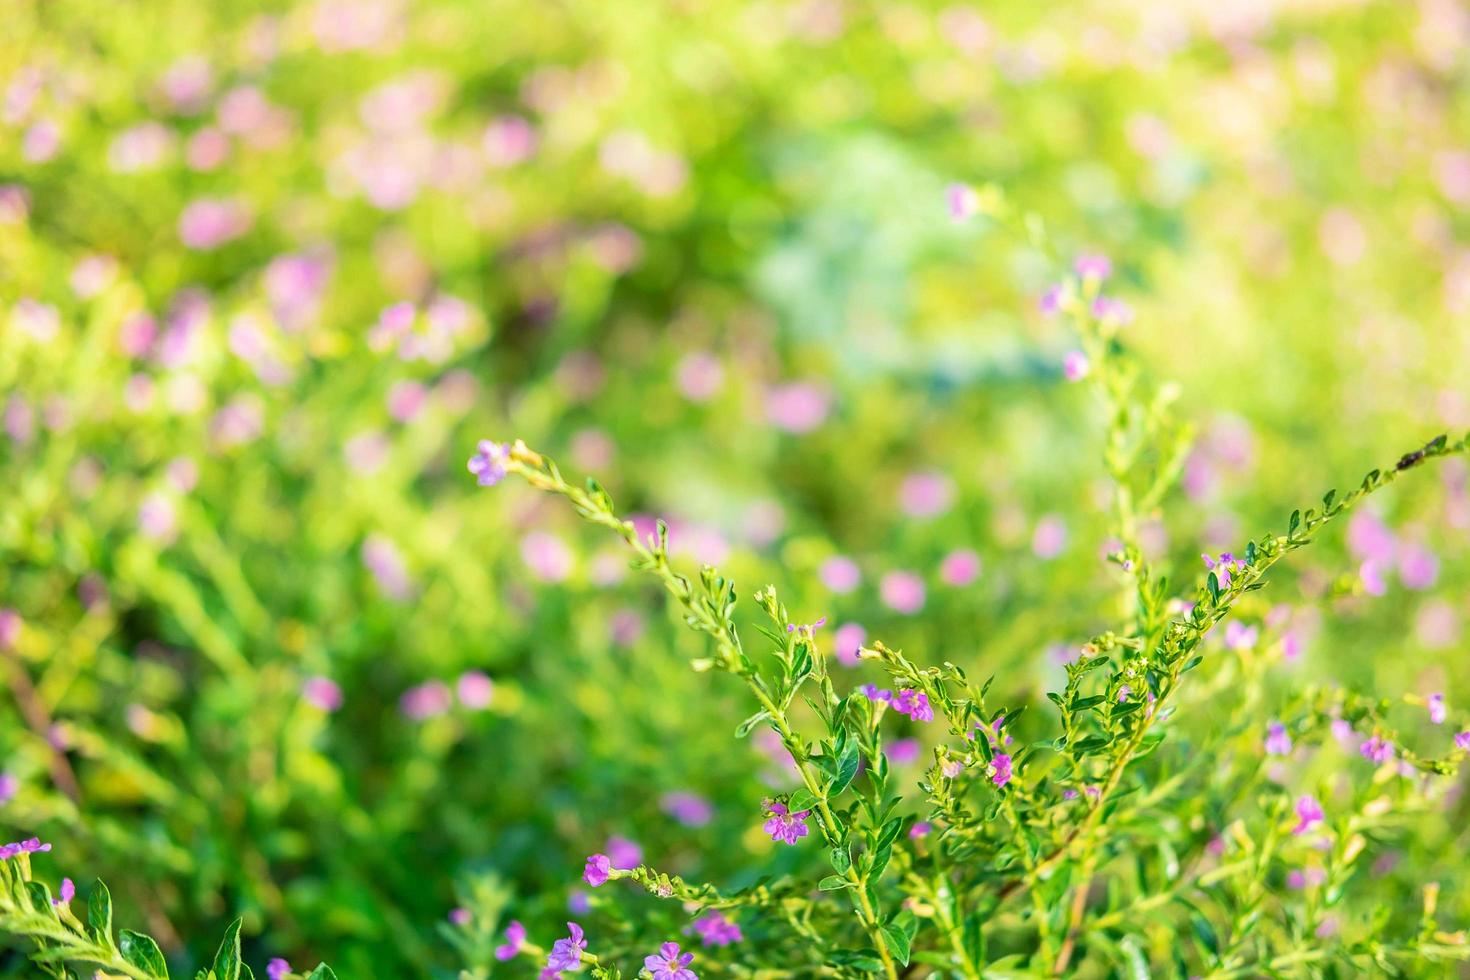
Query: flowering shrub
1035, 856
269, 269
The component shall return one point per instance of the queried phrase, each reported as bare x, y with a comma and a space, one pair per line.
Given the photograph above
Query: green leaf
897, 941
833, 883
141, 951
801, 800
99, 912
1294, 523
847, 767
840, 859
227, 959
322, 972
750, 723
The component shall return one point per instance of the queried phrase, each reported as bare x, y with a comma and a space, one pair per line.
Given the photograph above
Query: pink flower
475, 689
902, 591
926, 494
1075, 366
700, 375
509, 140
960, 567
322, 693
847, 641
689, 809
669, 964
915, 704
840, 574
547, 556
1462, 741
798, 407
425, 701
1000, 769
1309, 813
1050, 537
962, 201
1097, 267
208, 223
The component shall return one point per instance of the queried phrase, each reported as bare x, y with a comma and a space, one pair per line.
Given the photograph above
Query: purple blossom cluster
31, 845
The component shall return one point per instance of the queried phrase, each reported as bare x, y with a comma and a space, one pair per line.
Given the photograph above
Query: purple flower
1093, 267
9, 786
1000, 769
567, 953
716, 930
689, 809
624, 854
65, 893
1223, 567
1437, 712
1277, 741
460, 916
874, 693
1377, 750
1051, 300
784, 826
921, 828
31, 845
1075, 366
277, 968
598, 869
1123, 691
488, 463
915, 704
669, 964
515, 938
1309, 813
1462, 740
806, 627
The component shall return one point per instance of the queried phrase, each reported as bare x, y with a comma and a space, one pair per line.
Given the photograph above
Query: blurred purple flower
1075, 366
689, 809
547, 556
1376, 749
1093, 266
1278, 742
277, 968
714, 929
624, 853
488, 463
208, 223
515, 938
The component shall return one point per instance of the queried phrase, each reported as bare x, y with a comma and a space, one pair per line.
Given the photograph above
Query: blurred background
269, 270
